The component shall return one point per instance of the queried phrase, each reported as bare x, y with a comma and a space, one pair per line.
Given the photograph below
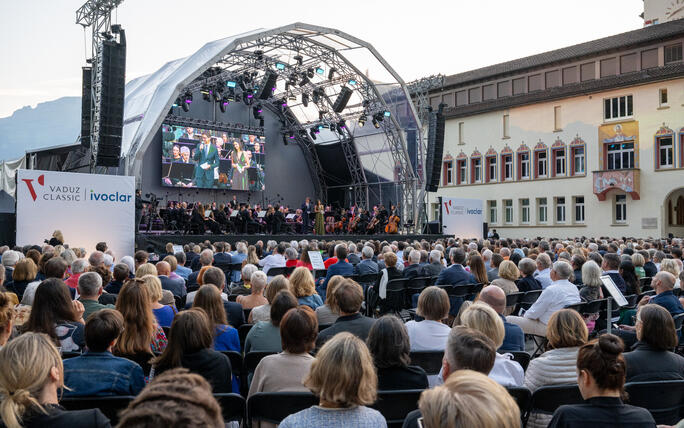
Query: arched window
664, 148
490, 165
507, 164
461, 168
541, 160
448, 170
524, 171
476, 173
558, 159
578, 160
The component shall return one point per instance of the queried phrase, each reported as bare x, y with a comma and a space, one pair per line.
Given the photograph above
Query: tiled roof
629, 39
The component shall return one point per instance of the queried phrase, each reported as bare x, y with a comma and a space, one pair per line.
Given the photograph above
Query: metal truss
219, 126
96, 14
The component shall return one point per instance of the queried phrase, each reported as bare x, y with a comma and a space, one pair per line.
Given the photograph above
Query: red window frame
488, 160
554, 156
460, 162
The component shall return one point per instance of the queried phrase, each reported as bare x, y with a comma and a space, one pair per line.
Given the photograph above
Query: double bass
392, 224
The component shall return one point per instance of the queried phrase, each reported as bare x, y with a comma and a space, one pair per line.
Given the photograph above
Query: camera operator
139, 205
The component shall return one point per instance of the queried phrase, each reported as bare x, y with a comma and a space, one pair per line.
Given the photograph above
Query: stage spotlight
320, 70
386, 114
206, 93
313, 133
299, 59
256, 111
376, 123
259, 55
177, 103
310, 72
231, 83
352, 82
231, 95
362, 120
280, 66
379, 116
283, 103
293, 79
305, 80
341, 126
331, 73
248, 97
187, 100
223, 104
305, 99
218, 93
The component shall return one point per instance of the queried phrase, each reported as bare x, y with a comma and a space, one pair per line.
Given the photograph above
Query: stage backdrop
462, 218
87, 208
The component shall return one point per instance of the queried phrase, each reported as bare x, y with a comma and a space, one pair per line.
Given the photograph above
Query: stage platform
159, 240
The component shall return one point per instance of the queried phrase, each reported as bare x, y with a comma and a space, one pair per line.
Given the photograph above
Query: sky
42, 49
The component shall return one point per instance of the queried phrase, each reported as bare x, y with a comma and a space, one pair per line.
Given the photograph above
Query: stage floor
159, 241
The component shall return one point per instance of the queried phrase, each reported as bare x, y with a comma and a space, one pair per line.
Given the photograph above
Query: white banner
462, 218
87, 208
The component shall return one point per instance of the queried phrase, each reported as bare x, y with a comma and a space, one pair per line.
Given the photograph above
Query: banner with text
86, 208
462, 218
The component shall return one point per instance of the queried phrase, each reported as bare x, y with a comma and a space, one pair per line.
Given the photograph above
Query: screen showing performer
212, 159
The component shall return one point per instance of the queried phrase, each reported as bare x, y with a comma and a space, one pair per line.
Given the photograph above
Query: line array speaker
342, 99
267, 85
113, 79
86, 106
435, 149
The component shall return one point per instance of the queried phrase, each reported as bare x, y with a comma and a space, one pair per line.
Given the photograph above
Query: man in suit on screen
207, 159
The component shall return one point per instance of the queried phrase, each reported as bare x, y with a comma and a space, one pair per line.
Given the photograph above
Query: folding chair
548, 398
664, 399
273, 407
252, 360
523, 398
512, 299
243, 330
233, 407
395, 405
521, 357
110, 406
276, 271
430, 361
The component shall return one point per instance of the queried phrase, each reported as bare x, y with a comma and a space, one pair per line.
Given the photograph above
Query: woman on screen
240, 164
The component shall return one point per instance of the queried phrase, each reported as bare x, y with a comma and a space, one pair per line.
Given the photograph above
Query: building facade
583, 141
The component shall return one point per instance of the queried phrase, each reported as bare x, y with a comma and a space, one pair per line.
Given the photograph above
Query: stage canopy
312, 68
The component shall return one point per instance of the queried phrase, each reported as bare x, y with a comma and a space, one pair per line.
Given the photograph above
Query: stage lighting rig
299, 59
256, 111
331, 73
310, 72
362, 120
305, 80
342, 99
223, 104
320, 70
248, 97
341, 126
187, 100
313, 132
206, 93
259, 55
305, 99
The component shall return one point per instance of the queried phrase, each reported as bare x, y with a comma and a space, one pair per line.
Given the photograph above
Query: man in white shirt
277, 259
543, 274
556, 296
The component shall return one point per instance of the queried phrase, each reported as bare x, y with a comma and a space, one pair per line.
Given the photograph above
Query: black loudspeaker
112, 90
485, 230
342, 99
86, 106
431, 228
435, 149
267, 85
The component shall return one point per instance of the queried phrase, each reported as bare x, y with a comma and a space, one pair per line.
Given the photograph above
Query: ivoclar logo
110, 197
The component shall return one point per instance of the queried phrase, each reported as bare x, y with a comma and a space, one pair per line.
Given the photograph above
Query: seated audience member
55, 314
543, 274
468, 399
671, 266
176, 287
348, 297
566, 333
9, 260
6, 317
389, 345
366, 265
527, 282
514, 338
455, 275
628, 274
477, 268
493, 272
206, 258
610, 266
353, 256
340, 267
175, 398
430, 334
77, 268
265, 335
303, 287
56, 267
173, 265
263, 312
652, 359
663, 284
142, 335
243, 286
387, 274
275, 260
344, 379
601, 380
181, 270
225, 337
291, 257
414, 268
90, 289
31, 373
286, 370
577, 261
483, 318
190, 347
97, 371
508, 274
558, 295
466, 349
120, 274
435, 266
256, 298
591, 282
215, 276
162, 313
639, 262
328, 312
25, 272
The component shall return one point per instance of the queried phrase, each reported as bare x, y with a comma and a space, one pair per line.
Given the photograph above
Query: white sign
316, 260
462, 218
614, 290
86, 208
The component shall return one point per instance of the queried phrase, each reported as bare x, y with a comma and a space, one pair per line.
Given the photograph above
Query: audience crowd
501, 315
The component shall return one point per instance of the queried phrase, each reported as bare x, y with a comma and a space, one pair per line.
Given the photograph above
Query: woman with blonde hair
566, 332
343, 377
256, 298
142, 334
468, 399
31, 373
6, 318
508, 274
639, 262
25, 272
57, 238
163, 313
304, 288
145, 269
671, 266
263, 312
252, 257
481, 317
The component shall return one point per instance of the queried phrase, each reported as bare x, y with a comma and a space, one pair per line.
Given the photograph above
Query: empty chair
395, 405
548, 398
109, 406
663, 399
233, 406
430, 361
273, 407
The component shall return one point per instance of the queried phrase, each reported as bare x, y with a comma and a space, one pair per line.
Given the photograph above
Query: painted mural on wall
623, 132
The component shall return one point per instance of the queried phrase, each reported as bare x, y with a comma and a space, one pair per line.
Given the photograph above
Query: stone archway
673, 219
